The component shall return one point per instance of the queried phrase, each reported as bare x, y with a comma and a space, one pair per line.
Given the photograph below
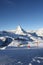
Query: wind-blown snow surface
21, 38
21, 57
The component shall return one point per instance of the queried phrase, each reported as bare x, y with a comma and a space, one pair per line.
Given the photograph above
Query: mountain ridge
20, 37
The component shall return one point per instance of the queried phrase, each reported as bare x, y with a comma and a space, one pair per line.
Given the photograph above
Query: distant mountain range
19, 37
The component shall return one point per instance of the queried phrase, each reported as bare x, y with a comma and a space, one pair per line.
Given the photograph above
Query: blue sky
26, 13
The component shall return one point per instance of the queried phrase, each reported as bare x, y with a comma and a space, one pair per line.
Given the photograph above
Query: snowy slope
40, 32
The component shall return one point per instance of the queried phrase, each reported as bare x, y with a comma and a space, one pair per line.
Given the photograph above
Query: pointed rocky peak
19, 30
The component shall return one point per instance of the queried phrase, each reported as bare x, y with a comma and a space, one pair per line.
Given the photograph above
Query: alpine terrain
21, 38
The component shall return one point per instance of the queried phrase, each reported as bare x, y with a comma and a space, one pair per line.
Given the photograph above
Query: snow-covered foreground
21, 57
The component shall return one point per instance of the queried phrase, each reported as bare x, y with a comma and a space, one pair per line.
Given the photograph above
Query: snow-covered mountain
19, 30
19, 37
40, 32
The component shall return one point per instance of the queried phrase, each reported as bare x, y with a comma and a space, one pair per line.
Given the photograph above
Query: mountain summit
19, 30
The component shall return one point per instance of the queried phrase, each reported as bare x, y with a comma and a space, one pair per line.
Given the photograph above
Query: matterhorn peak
19, 30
